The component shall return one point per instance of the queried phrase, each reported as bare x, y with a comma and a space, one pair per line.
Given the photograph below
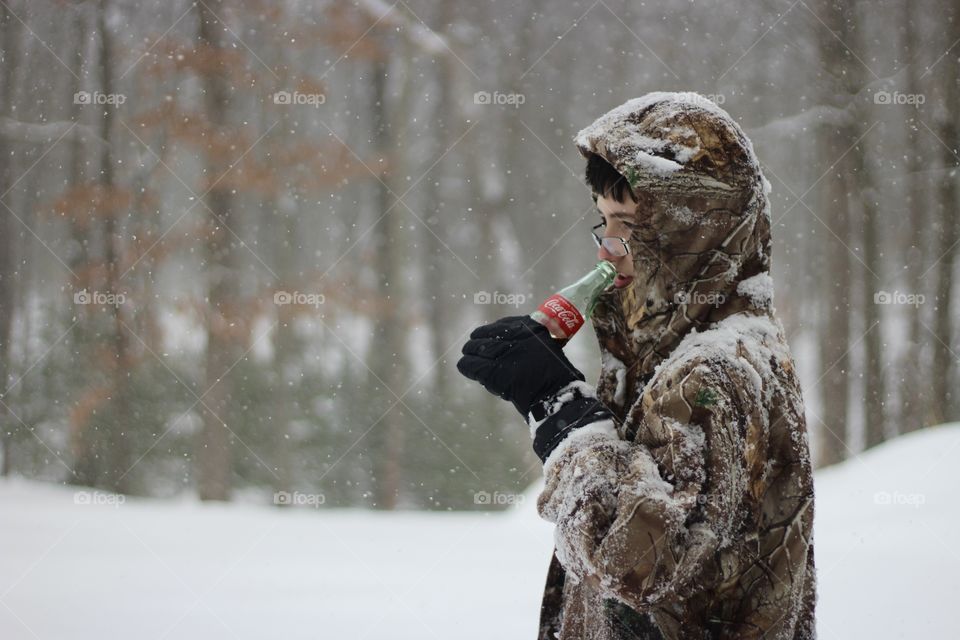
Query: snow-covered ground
886, 533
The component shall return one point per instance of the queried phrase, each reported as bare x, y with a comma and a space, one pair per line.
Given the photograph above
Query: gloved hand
517, 359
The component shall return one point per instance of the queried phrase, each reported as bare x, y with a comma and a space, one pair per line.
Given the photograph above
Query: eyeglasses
613, 245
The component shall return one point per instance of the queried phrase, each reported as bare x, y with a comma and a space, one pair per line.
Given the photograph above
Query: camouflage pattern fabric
690, 515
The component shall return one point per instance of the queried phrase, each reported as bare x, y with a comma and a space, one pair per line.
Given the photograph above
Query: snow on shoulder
759, 289
724, 340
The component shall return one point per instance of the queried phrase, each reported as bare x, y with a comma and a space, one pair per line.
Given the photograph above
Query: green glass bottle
566, 311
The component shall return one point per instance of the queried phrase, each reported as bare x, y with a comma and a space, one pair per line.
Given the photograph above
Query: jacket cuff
572, 407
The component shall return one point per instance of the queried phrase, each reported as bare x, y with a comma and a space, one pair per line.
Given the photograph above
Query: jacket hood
701, 250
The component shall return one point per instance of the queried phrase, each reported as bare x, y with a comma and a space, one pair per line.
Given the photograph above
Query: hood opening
703, 231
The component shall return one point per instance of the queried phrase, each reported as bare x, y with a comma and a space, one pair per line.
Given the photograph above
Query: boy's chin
632, 300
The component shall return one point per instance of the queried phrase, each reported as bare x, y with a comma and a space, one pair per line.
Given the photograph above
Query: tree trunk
387, 352
434, 280
836, 276
10, 41
916, 380
944, 359
224, 339
118, 441
863, 187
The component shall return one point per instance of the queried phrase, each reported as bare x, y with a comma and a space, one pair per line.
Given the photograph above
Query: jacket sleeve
639, 519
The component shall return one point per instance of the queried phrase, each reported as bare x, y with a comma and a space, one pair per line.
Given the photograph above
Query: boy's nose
603, 254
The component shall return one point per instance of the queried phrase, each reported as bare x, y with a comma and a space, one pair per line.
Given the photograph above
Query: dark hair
605, 180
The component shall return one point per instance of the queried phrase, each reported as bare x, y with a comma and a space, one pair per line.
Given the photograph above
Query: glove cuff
570, 408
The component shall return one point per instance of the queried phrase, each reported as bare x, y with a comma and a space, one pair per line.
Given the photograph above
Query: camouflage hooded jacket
690, 514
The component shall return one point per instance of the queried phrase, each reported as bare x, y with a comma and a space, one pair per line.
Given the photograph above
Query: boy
681, 486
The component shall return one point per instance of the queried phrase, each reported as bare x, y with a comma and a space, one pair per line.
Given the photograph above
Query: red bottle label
566, 315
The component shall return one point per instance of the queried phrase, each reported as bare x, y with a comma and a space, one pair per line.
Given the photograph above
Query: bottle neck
599, 278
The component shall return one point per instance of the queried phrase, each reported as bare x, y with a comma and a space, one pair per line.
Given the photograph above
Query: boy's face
660, 226
619, 219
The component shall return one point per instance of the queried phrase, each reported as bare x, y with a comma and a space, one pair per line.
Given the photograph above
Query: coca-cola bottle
565, 312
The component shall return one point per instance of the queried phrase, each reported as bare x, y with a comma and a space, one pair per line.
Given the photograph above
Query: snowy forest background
243, 241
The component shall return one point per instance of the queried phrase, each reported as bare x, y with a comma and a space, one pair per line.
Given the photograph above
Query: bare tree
916, 378
225, 321
9, 41
864, 192
836, 275
943, 399
387, 356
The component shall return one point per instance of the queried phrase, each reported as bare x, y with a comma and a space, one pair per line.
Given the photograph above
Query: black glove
571, 408
517, 359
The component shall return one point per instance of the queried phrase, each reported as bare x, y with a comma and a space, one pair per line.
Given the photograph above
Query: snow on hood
702, 249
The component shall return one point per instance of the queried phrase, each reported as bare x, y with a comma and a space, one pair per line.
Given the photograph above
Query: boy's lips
621, 281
